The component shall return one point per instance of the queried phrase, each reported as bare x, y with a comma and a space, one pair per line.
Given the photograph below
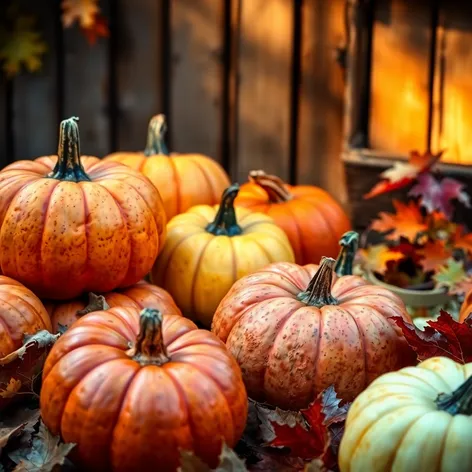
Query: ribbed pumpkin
132, 409
306, 213
208, 248
71, 225
466, 307
294, 332
183, 180
141, 295
418, 419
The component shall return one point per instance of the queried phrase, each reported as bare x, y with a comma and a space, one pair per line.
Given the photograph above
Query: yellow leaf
84, 11
375, 258
12, 389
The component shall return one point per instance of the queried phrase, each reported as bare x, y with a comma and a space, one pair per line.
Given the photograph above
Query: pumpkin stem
458, 402
149, 347
318, 292
273, 185
95, 303
225, 223
68, 166
349, 243
155, 137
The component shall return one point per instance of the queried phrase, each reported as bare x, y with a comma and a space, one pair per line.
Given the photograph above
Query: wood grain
4, 158
400, 75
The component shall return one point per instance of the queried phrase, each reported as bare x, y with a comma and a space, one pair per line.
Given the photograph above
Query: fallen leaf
434, 254
442, 337
83, 11
450, 274
407, 222
375, 258
17, 422
45, 453
461, 288
99, 28
95, 303
189, 462
12, 388
228, 462
463, 240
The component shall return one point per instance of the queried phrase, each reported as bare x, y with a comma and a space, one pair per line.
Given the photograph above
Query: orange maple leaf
435, 254
463, 241
407, 222
375, 258
98, 28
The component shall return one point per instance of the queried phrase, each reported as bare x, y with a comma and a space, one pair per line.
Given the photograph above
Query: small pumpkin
306, 213
208, 248
141, 295
295, 332
466, 307
71, 225
131, 409
416, 419
183, 180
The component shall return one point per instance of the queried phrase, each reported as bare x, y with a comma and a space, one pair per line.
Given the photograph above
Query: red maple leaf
439, 196
404, 173
442, 337
99, 27
434, 254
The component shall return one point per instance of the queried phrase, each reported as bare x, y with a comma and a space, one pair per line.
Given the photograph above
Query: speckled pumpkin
183, 180
71, 225
208, 248
418, 419
295, 332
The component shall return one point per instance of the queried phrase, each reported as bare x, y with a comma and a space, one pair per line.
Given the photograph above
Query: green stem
68, 166
349, 242
225, 223
273, 185
458, 402
318, 292
155, 137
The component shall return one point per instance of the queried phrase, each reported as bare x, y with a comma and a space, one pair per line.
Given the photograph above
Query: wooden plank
321, 92
35, 94
265, 58
197, 44
4, 159
86, 87
452, 116
400, 75
139, 69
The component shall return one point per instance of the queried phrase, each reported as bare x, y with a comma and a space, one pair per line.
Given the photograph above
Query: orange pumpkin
307, 214
142, 295
183, 180
71, 225
294, 332
466, 307
132, 409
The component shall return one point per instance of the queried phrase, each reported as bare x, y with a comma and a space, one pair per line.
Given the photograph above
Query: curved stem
458, 402
155, 143
95, 303
149, 347
225, 223
349, 243
318, 292
68, 165
273, 185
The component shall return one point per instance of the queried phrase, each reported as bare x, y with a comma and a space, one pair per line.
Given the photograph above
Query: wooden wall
252, 83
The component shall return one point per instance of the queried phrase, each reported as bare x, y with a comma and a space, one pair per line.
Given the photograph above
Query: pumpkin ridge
205, 176
326, 217
9, 334
261, 247
176, 179
195, 273
298, 232
234, 262
87, 234
363, 343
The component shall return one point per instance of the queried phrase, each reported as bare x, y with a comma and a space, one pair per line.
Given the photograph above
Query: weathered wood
400, 75
265, 58
140, 87
3, 122
197, 76
86, 88
321, 97
452, 113
35, 119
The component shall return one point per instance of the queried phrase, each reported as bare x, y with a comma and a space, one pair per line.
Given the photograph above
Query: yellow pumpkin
417, 419
208, 248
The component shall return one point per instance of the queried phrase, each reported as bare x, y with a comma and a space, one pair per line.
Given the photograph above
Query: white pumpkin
417, 419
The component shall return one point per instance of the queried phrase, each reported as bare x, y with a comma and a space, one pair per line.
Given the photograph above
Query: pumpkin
208, 248
306, 213
71, 225
131, 409
141, 295
183, 180
295, 331
466, 307
417, 419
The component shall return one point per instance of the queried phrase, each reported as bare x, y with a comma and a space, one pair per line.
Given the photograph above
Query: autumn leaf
375, 258
44, 454
228, 462
83, 11
22, 45
450, 274
99, 28
442, 337
439, 196
17, 422
12, 388
434, 254
463, 240
407, 222
403, 173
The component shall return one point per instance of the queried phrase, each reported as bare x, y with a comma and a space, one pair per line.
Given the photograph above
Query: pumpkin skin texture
141, 295
132, 409
209, 248
306, 213
183, 180
294, 332
402, 424
71, 225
